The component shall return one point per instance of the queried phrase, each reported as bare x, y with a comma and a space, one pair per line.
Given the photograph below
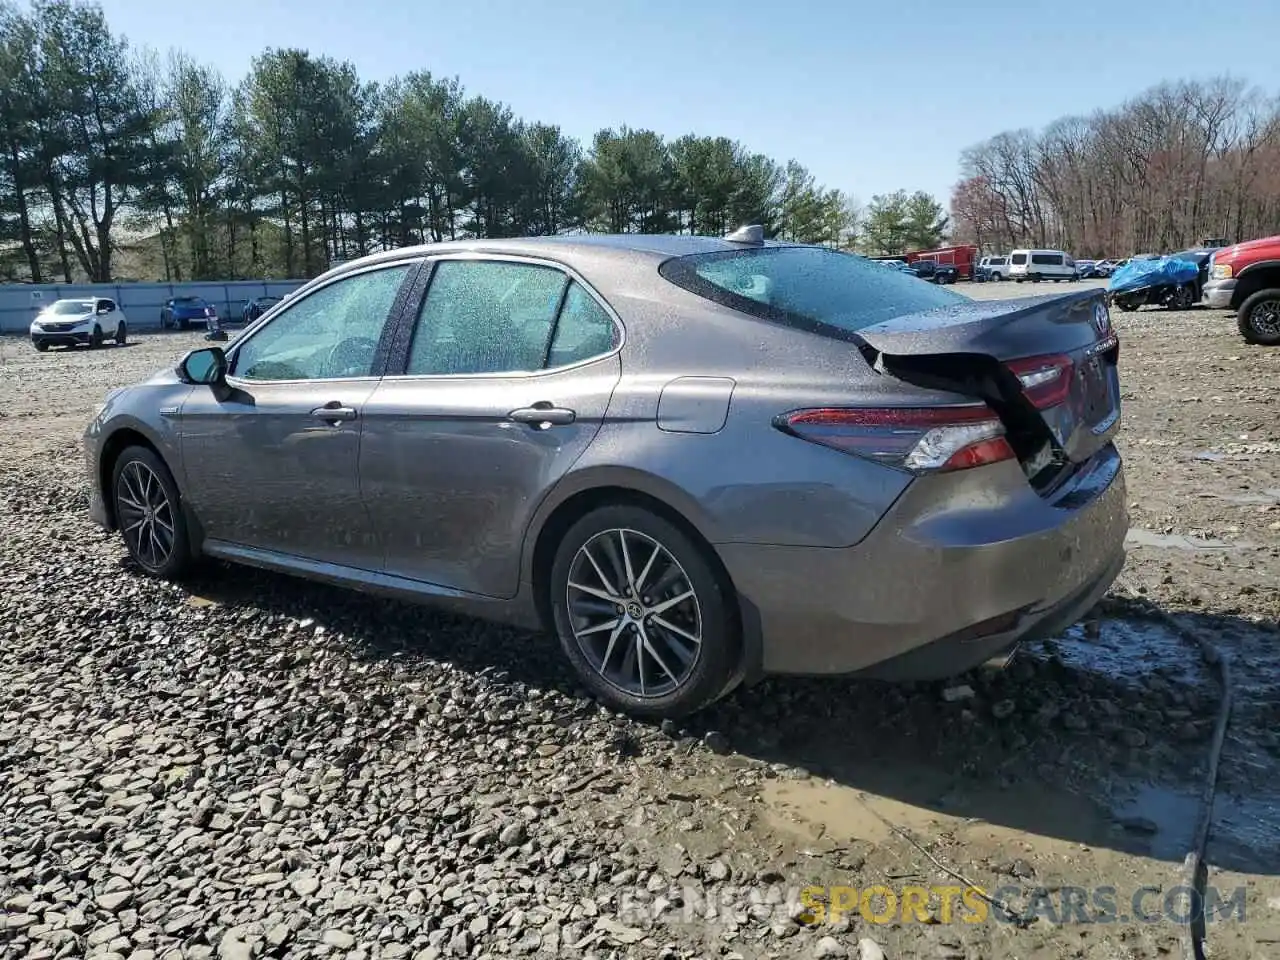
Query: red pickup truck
1246, 278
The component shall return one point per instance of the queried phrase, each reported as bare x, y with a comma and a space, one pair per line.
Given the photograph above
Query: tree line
105, 148
1182, 162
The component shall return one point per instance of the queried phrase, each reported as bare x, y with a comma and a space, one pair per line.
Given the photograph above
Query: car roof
657, 246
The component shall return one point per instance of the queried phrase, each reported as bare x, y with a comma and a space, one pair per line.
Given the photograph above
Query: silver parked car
695, 460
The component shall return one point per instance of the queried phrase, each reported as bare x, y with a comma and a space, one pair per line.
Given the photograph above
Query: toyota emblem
1101, 319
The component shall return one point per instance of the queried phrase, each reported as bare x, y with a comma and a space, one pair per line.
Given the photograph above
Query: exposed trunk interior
986, 378
968, 351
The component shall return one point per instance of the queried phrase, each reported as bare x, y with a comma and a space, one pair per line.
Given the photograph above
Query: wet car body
762, 444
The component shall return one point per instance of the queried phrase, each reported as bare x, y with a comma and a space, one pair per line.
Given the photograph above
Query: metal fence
141, 302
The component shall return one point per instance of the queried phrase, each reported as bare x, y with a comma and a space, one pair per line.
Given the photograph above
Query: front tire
641, 613
148, 509
122, 334
1259, 318
41, 346
95, 338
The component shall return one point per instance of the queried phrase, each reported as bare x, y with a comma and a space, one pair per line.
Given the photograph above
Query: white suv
996, 268
69, 322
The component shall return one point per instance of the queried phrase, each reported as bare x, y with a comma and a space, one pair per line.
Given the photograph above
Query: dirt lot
254, 766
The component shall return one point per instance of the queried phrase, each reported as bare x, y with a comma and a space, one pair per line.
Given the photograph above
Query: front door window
330, 334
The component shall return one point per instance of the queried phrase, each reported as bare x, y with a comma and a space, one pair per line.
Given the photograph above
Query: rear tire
122, 334
1259, 318
1183, 298
609, 637
140, 482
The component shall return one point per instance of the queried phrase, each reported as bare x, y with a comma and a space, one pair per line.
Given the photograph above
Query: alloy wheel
146, 515
634, 613
1265, 318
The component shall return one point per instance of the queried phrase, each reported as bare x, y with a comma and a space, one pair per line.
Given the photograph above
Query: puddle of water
931, 804
1138, 537
837, 813
1131, 651
1245, 835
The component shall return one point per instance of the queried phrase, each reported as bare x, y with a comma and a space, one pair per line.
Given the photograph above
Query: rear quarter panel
747, 482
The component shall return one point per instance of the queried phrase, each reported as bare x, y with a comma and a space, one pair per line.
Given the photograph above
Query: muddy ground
146, 728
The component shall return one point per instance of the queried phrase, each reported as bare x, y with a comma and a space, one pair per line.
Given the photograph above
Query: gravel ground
253, 766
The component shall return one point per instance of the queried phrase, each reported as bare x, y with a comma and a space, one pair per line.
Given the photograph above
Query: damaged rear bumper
960, 569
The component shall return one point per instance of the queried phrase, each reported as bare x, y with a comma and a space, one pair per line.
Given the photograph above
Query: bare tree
1181, 162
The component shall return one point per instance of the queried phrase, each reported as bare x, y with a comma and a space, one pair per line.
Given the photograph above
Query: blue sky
870, 95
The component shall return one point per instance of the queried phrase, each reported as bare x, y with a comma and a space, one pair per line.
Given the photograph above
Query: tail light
920, 439
1046, 380
210, 312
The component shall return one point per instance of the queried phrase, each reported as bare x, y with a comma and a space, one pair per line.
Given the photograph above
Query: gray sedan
695, 461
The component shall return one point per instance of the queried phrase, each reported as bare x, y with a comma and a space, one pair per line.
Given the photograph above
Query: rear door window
486, 316
583, 330
812, 288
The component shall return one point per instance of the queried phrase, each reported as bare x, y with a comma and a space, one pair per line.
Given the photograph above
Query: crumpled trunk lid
1005, 352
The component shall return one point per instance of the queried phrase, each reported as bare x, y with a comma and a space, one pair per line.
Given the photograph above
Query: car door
503, 383
270, 461
111, 322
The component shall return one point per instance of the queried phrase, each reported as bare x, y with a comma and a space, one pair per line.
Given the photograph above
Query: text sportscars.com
937, 903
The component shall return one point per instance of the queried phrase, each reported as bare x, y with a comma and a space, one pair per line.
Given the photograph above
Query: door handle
334, 412
542, 415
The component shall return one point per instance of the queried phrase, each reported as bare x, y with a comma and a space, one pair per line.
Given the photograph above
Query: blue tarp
1152, 273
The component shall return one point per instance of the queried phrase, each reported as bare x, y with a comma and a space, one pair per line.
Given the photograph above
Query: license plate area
1095, 395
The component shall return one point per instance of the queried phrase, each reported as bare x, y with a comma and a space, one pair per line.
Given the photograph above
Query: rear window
1019, 258
807, 287
189, 301
1047, 259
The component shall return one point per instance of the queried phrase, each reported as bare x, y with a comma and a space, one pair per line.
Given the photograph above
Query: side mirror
103, 310
206, 366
